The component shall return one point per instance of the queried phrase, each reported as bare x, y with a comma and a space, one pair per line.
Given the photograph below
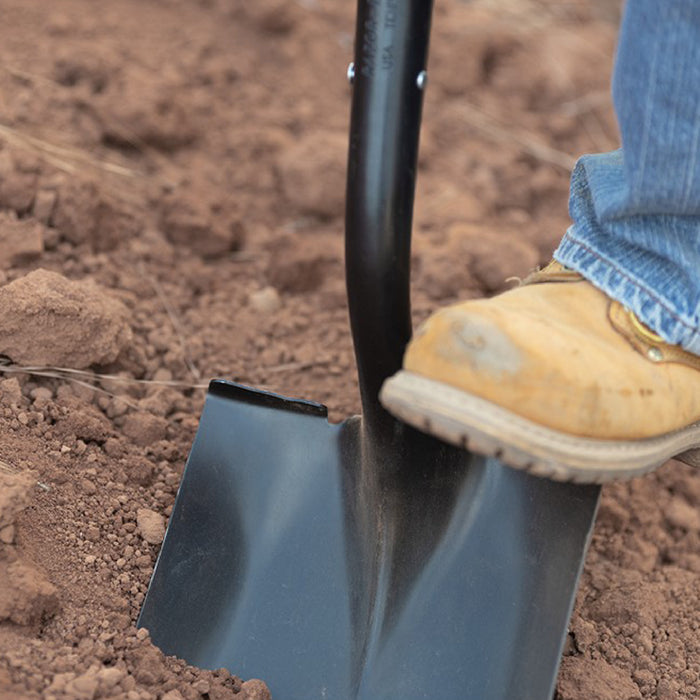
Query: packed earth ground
171, 210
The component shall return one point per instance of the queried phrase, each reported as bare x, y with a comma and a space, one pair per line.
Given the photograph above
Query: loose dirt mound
171, 185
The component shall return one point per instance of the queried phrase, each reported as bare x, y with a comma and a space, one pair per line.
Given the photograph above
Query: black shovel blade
337, 566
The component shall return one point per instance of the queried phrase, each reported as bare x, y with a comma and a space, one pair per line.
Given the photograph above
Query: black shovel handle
389, 80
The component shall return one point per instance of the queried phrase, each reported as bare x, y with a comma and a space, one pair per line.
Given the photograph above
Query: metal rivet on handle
351, 72
422, 79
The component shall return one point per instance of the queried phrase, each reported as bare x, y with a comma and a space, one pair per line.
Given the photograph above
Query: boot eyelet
655, 355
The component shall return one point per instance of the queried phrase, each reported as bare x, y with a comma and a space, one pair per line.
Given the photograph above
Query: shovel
365, 560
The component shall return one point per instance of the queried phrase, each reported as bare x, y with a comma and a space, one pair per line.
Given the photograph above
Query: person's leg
591, 371
636, 211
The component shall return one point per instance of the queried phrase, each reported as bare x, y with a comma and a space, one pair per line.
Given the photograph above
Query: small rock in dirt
41, 394
145, 428
116, 407
255, 689
20, 240
266, 300
313, 174
139, 470
46, 319
88, 486
151, 525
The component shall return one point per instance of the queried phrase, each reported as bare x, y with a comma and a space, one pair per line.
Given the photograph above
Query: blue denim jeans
636, 211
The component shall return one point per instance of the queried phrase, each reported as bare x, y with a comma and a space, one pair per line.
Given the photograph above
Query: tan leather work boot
552, 377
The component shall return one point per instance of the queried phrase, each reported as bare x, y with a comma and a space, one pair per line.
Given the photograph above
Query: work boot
552, 377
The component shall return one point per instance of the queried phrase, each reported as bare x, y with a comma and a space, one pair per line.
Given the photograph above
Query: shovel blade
337, 566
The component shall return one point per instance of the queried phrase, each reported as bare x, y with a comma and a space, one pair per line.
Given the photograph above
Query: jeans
636, 211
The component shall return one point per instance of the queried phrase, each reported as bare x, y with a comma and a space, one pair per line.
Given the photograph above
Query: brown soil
175, 170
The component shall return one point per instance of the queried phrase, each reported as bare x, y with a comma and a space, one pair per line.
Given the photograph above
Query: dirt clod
266, 300
18, 180
142, 111
14, 496
151, 525
187, 222
319, 153
680, 513
255, 689
20, 241
597, 679
46, 319
145, 428
295, 271
493, 260
26, 596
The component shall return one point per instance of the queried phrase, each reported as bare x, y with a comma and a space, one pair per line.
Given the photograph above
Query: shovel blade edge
299, 554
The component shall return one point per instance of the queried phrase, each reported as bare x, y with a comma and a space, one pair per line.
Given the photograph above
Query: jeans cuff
620, 284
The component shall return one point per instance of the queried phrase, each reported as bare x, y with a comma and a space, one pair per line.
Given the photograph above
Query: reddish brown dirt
184, 161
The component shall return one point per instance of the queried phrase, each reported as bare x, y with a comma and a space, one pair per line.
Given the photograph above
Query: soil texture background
171, 210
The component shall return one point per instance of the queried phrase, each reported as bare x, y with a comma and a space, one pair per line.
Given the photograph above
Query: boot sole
472, 423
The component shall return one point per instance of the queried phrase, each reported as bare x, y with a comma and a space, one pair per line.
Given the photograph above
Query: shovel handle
389, 79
